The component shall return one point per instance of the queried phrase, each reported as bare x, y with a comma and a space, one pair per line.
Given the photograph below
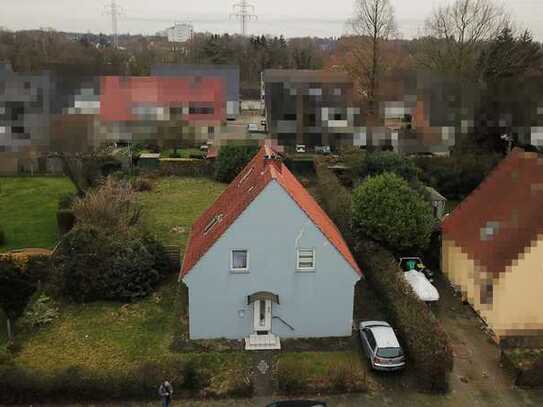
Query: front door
262, 313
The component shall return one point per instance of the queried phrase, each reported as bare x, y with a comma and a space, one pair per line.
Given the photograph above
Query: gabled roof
500, 219
263, 168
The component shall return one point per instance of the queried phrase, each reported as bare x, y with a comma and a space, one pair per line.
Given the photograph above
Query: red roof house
265, 261
493, 246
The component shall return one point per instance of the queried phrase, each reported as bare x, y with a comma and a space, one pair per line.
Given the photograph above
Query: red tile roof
500, 219
241, 192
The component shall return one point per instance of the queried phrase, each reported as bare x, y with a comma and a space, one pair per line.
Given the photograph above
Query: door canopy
262, 295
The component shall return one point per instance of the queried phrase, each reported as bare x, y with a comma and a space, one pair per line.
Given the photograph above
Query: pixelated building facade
492, 249
24, 117
45, 113
311, 107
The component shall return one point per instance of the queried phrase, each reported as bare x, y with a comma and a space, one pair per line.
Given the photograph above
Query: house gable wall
315, 304
516, 294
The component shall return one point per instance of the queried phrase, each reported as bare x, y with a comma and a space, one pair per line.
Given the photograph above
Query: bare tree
457, 33
373, 23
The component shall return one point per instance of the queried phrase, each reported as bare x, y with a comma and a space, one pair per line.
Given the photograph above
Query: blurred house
492, 249
166, 111
228, 74
311, 107
24, 119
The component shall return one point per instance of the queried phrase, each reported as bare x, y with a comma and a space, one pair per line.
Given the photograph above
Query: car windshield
389, 352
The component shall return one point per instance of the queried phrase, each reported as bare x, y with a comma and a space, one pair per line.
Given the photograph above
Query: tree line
494, 64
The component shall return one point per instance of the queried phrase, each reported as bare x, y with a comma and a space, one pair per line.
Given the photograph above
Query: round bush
91, 264
388, 210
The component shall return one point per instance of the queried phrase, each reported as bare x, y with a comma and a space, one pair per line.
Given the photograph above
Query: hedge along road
407, 399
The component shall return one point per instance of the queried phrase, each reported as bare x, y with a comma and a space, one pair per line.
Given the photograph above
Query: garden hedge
456, 176
232, 159
526, 365
334, 197
425, 341
186, 167
190, 377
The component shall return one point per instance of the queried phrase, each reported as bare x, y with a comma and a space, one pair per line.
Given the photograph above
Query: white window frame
309, 269
238, 270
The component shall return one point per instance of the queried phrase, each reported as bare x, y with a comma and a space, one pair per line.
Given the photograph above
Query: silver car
381, 346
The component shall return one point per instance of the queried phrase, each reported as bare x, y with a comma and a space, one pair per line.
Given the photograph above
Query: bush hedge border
425, 340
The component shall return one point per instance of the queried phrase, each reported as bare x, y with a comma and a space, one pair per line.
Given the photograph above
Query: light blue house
265, 261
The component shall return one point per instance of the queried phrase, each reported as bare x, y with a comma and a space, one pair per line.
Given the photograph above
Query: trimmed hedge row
319, 373
334, 197
426, 342
526, 366
190, 378
186, 167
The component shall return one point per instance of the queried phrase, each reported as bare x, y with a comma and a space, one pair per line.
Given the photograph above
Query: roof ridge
258, 173
508, 160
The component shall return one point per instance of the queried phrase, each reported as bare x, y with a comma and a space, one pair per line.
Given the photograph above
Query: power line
245, 13
115, 11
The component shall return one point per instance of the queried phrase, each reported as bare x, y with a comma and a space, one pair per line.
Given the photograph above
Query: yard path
262, 373
477, 378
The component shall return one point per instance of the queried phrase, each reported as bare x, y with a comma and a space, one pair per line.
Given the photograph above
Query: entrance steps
262, 342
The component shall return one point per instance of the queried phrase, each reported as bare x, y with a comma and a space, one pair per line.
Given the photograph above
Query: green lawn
28, 208
104, 335
114, 337
326, 372
175, 203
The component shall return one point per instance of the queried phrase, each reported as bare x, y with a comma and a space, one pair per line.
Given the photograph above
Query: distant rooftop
304, 75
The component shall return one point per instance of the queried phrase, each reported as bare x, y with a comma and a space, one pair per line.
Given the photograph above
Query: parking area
477, 379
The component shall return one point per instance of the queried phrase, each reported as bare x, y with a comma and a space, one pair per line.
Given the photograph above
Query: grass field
313, 372
175, 203
28, 208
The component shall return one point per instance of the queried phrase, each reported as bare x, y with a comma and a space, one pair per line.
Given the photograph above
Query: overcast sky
289, 17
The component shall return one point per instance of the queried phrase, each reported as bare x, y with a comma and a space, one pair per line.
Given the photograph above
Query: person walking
165, 391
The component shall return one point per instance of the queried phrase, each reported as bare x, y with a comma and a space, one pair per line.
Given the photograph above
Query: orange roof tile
263, 168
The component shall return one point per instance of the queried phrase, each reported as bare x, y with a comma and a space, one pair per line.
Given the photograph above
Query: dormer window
216, 219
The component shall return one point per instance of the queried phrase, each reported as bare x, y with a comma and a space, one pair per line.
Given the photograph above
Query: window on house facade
239, 260
487, 291
305, 260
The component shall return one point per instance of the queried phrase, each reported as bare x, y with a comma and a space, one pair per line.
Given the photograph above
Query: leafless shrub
112, 206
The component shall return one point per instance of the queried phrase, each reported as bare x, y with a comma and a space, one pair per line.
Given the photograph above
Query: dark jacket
165, 390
